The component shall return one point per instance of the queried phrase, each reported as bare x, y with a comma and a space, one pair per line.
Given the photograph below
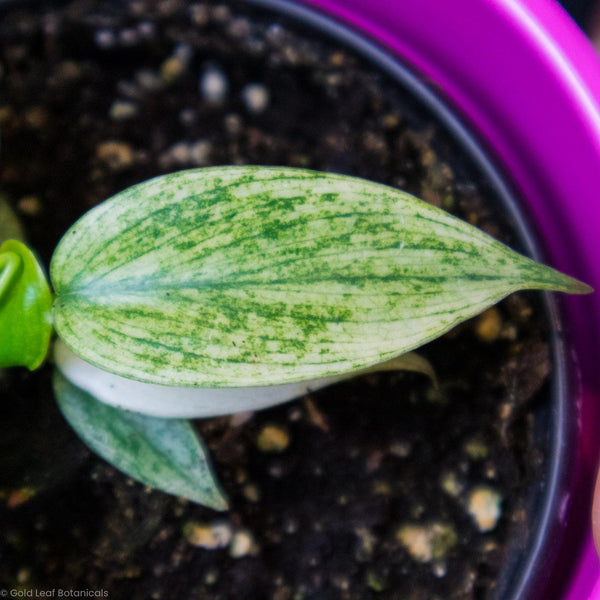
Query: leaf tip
542, 277
221, 503
579, 287
570, 285
212, 497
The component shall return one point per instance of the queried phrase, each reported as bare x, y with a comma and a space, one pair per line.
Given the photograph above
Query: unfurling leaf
189, 402
25, 307
238, 276
163, 453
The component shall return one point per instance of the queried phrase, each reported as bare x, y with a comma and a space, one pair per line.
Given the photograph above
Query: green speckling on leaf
163, 453
236, 276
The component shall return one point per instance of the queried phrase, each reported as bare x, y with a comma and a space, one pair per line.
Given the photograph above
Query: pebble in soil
96, 97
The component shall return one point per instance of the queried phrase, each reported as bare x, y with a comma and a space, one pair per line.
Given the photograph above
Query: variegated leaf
237, 276
163, 453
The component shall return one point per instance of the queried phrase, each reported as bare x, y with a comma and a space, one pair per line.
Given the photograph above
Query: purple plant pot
525, 83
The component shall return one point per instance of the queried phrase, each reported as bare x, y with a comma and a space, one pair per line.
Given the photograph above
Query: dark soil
369, 494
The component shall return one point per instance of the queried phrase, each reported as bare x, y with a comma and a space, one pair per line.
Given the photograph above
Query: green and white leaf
238, 276
193, 402
163, 453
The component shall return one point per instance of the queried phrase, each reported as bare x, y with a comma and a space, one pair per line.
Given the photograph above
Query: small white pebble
256, 97
239, 27
200, 152
439, 569
24, 575
251, 492
176, 155
199, 14
241, 544
148, 80
105, 39
400, 448
128, 89
450, 484
475, 448
172, 69
290, 526
122, 110
213, 85
276, 470
208, 535
183, 52
137, 7
488, 325
367, 543
417, 541
221, 13
211, 577
341, 582
485, 507
427, 542
188, 116
275, 33
115, 154
128, 37
295, 414
273, 438
255, 45
146, 30
51, 24
30, 205
233, 124
180, 152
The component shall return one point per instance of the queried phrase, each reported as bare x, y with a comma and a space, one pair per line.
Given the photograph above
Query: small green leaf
163, 453
411, 361
25, 307
237, 276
